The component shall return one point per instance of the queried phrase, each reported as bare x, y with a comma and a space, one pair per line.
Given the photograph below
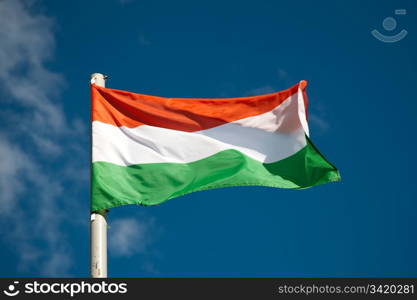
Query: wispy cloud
318, 122
123, 2
317, 117
143, 40
266, 89
27, 43
282, 80
14, 163
128, 236
33, 165
282, 74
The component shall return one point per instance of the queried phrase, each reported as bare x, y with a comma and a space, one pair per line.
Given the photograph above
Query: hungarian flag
148, 149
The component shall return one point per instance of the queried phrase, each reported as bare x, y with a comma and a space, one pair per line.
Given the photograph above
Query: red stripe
121, 108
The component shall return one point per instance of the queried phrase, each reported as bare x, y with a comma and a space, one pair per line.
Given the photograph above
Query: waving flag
148, 149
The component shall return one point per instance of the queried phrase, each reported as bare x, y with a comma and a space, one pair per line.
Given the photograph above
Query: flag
147, 149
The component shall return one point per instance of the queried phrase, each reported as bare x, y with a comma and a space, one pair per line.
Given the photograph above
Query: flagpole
98, 221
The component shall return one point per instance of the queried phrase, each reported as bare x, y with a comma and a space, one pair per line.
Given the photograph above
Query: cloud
143, 40
282, 74
13, 164
318, 122
123, 2
42, 152
29, 207
128, 237
56, 263
27, 43
282, 78
34, 167
266, 89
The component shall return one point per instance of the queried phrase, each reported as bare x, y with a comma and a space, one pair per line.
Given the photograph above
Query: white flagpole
98, 222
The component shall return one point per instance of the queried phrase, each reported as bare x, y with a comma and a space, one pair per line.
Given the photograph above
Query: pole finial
98, 79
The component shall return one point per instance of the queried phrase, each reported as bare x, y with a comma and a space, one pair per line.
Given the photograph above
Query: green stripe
150, 184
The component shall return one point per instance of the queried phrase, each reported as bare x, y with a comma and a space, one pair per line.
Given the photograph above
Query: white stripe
302, 111
268, 137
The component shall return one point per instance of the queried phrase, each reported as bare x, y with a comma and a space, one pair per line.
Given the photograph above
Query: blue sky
362, 117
